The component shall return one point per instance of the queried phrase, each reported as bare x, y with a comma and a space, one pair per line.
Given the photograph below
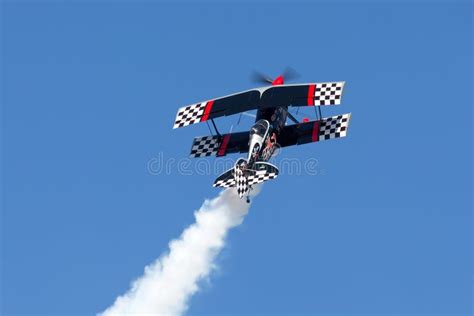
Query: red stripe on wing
311, 94
223, 146
315, 134
207, 110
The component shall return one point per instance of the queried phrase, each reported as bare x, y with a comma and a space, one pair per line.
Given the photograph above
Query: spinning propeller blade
288, 74
258, 77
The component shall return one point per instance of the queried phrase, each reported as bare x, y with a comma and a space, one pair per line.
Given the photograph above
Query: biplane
270, 131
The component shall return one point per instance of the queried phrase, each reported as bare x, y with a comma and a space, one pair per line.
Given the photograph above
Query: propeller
288, 74
258, 77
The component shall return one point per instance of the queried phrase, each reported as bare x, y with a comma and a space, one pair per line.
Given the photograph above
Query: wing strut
209, 127
292, 118
215, 127
319, 116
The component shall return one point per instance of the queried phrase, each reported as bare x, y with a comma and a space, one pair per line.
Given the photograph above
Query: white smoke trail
172, 279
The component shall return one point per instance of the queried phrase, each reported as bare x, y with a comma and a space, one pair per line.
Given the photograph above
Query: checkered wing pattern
226, 183
328, 93
225, 180
189, 114
205, 146
241, 182
264, 172
261, 176
334, 127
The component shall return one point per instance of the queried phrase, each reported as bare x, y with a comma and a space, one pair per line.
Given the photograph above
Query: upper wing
327, 128
316, 94
228, 105
220, 145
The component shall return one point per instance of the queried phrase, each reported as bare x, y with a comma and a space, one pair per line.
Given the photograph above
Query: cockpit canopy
260, 128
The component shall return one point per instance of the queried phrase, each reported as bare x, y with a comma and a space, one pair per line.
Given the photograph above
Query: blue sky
89, 95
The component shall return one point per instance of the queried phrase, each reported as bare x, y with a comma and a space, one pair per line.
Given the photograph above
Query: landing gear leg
248, 195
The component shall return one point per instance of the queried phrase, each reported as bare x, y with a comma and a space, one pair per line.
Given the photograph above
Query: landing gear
248, 195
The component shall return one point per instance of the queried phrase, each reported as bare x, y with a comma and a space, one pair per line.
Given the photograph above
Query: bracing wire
210, 131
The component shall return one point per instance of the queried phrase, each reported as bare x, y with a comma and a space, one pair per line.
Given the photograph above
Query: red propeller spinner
278, 80
288, 74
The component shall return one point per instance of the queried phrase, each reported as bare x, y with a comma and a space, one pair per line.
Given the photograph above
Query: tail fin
243, 178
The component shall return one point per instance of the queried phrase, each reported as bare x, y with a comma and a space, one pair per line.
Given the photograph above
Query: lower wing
220, 145
315, 131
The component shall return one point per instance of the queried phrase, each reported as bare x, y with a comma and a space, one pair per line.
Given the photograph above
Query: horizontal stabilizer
225, 180
263, 172
243, 179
